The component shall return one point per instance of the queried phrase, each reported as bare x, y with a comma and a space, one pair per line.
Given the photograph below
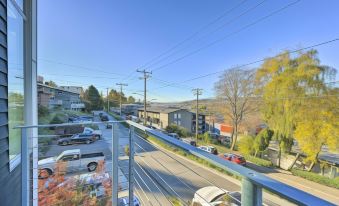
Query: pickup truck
75, 161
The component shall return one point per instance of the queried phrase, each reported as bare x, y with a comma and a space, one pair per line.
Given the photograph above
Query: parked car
209, 149
123, 199
78, 139
96, 133
75, 160
175, 135
104, 118
214, 196
189, 141
108, 126
238, 159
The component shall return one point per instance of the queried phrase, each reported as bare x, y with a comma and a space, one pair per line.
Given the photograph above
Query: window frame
14, 162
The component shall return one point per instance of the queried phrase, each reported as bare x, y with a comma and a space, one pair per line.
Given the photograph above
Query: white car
96, 133
214, 196
209, 149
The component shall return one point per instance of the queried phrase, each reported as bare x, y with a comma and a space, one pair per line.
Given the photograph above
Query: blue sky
82, 42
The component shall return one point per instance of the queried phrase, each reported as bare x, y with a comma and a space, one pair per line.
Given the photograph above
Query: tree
262, 140
318, 125
235, 89
92, 99
51, 84
131, 99
285, 83
246, 145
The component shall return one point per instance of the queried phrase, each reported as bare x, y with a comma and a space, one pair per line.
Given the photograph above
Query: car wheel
64, 143
92, 166
88, 141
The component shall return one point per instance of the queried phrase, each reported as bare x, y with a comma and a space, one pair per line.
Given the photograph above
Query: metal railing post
25, 169
115, 171
251, 194
131, 168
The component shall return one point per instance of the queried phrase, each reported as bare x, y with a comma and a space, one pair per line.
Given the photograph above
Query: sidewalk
327, 193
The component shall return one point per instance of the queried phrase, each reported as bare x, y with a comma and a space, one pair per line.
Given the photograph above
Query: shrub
245, 145
42, 111
317, 178
56, 120
173, 128
258, 161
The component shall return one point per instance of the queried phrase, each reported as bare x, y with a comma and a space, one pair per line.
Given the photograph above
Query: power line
251, 63
212, 32
149, 63
79, 66
230, 34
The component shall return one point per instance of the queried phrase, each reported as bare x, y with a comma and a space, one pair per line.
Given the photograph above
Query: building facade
52, 97
161, 117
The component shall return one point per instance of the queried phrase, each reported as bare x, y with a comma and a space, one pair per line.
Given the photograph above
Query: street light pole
121, 85
107, 100
197, 92
145, 77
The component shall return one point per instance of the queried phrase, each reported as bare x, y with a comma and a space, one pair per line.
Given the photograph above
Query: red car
238, 159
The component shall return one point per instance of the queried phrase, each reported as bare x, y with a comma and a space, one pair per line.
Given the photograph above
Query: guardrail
252, 182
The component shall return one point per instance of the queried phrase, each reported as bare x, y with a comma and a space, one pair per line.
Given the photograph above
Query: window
15, 35
179, 115
179, 123
175, 115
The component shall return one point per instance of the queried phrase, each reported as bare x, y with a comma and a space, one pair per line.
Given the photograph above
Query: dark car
238, 159
77, 139
104, 118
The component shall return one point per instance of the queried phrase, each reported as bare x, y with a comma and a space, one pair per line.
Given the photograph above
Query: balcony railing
58, 169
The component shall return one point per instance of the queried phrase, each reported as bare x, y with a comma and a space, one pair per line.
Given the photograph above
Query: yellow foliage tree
318, 125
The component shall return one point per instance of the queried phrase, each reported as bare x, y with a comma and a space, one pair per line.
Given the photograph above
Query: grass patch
119, 118
317, 178
183, 153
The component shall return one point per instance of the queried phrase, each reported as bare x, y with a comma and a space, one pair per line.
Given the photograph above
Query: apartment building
53, 97
161, 117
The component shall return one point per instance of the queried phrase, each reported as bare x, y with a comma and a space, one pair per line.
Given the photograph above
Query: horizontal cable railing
76, 182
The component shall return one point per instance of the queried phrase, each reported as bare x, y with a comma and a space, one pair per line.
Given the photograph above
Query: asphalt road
160, 176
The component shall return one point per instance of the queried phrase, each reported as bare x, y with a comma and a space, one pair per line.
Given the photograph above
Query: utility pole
121, 85
146, 75
197, 92
107, 100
